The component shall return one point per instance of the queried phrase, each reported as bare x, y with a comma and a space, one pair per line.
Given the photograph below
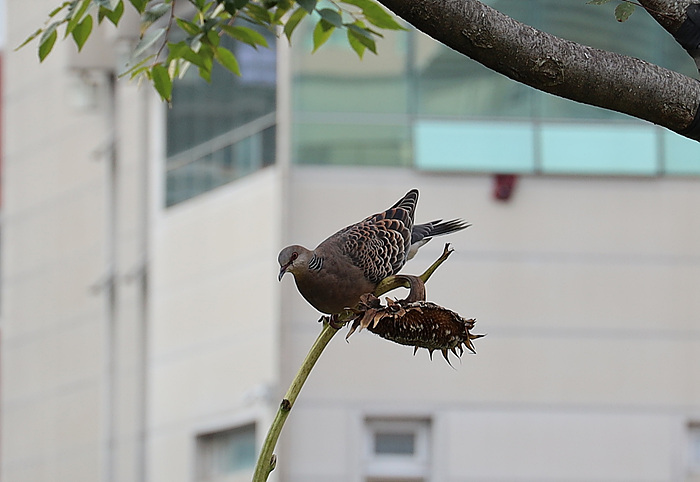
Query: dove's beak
283, 270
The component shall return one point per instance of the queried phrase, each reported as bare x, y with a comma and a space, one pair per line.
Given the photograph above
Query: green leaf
226, 58
322, 33
331, 16
139, 5
202, 58
82, 31
152, 14
205, 73
623, 11
181, 50
375, 14
283, 6
47, 41
258, 14
138, 68
36, 33
155, 12
232, 6
293, 21
76, 16
308, 5
245, 35
112, 15
356, 45
213, 38
150, 38
598, 2
358, 33
162, 81
188, 27
56, 10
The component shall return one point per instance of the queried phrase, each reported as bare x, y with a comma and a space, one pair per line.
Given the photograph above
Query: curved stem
267, 460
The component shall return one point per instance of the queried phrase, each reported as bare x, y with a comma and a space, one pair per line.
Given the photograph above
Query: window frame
405, 467
203, 454
693, 449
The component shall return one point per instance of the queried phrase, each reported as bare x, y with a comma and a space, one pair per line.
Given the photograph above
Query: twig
399, 281
167, 31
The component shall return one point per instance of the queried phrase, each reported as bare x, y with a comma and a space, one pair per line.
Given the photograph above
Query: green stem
266, 459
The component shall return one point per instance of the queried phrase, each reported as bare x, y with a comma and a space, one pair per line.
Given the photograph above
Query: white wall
586, 288
53, 260
215, 318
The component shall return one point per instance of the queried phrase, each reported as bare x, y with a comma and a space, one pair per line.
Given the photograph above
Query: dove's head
292, 259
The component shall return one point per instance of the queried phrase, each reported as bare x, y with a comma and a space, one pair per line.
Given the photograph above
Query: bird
352, 262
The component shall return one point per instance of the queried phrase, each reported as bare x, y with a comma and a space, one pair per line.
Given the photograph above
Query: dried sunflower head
416, 323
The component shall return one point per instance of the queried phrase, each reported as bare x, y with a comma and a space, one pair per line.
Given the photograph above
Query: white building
145, 336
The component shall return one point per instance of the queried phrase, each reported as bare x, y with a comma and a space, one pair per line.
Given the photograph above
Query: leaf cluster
199, 25
77, 18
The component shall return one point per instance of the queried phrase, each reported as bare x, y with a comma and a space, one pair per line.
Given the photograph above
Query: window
422, 104
397, 450
694, 450
226, 456
223, 130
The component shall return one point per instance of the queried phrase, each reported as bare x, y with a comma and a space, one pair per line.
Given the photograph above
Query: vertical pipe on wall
142, 409
110, 288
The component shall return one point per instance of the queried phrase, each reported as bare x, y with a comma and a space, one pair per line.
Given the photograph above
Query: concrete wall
587, 290
54, 260
118, 315
214, 344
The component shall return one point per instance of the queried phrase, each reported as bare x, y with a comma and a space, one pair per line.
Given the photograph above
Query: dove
352, 262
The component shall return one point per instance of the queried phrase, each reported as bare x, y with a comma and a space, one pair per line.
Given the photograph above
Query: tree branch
558, 66
680, 18
670, 14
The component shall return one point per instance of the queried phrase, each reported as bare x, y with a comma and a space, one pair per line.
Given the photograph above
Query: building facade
145, 336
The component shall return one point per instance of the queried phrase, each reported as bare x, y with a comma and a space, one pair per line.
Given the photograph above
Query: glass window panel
227, 452
449, 84
476, 146
397, 449
334, 79
370, 94
694, 448
595, 149
207, 121
201, 111
681, 155
389, 443
352, 144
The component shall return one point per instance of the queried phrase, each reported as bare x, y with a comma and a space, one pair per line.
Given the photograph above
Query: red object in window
503, 186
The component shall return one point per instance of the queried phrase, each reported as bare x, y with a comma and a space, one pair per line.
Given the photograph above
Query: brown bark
673, 16
558, 66
670, 14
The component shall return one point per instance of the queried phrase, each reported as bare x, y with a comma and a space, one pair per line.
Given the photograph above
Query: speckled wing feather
379, 244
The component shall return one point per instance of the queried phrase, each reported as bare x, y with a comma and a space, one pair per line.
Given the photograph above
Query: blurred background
145, 336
